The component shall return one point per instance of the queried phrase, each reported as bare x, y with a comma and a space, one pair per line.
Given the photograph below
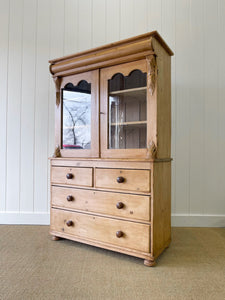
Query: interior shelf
138, 123
141, 91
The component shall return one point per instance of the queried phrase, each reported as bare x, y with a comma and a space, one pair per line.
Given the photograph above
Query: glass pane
127, 126
76, 116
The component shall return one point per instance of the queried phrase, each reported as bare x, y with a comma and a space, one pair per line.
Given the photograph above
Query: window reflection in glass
76, 116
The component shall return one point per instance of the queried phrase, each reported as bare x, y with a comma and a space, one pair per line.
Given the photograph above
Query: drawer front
123, 179
134, 235
117, 204
72, 176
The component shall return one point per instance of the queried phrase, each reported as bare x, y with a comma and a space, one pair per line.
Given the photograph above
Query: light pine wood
80, 176
134, 206
135, 235
161, 207
151, 112
106, 163
107, 52
117, 199
154, 34
100, 244
163, 101
104, 189
134, 180
149, 263
108, 63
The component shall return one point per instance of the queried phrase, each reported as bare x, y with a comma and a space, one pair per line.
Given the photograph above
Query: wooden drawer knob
69, 175
120, 205
70, 198
119, 234
120, 179
69, 223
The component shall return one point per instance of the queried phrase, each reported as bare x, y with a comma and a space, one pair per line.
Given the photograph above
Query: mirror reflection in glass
76, 116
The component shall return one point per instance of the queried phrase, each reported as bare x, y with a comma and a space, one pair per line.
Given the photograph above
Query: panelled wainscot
111, 170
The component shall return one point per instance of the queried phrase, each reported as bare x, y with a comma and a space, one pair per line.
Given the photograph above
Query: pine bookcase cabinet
111, 169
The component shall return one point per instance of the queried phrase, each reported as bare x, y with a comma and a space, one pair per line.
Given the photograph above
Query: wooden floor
34, 267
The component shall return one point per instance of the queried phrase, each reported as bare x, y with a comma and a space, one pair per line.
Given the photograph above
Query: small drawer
116, 204
115, 232
72, 176
123, 179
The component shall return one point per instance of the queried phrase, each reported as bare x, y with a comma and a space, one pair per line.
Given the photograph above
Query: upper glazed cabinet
114, 102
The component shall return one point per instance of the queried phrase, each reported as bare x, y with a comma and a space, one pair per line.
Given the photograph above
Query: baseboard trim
25, 218
184, 220
178, 220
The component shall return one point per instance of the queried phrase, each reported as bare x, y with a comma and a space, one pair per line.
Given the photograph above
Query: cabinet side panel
163, 101
161, 217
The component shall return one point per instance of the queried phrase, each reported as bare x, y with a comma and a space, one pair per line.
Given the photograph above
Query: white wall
33, 31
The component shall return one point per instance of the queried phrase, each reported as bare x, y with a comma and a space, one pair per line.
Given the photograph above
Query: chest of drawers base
112, 206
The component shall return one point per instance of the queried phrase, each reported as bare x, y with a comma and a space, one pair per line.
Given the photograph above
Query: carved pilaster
151, 69
57, 81
57, 152
152, 149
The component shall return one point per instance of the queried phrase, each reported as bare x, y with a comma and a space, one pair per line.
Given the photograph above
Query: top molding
111, 54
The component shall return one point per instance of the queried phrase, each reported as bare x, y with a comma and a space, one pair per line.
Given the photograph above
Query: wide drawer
117, 204
123, 179
132, 235
72, 176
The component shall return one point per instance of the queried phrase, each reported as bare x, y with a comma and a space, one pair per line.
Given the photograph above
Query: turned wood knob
120, 179
120, 205
69, 175
119, 234
70, 198
69, 223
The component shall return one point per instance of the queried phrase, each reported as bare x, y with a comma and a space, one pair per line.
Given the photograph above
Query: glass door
79, 116
127, 122
124, 110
